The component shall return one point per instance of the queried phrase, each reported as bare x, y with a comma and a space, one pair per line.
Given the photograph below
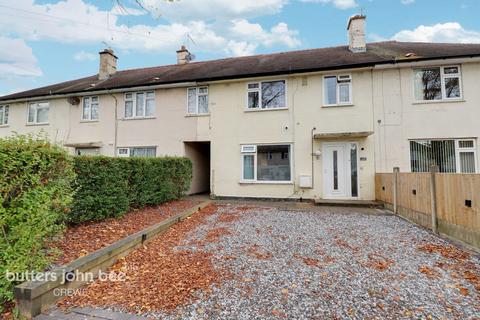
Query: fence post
433, 196
396, 170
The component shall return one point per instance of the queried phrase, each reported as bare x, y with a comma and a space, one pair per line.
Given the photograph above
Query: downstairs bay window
266, 163
450, 155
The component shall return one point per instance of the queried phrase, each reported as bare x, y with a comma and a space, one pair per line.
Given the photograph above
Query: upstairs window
139, 104
266, 95
90, 109
437, 83
38, 113
197, 100
337, 90
4, 115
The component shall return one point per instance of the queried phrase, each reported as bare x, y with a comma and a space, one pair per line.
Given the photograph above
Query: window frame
134, 105
36, 104
254, 153
5, 109
443, 76
83, 119
457, 151
259, 90
197, 98
337, 91
129, 151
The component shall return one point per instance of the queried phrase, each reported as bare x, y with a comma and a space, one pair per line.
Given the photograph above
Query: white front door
340, 176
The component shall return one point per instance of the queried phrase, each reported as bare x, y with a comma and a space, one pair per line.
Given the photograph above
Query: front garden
56, 208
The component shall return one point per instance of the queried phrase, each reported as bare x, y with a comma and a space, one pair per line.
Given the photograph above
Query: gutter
103, 91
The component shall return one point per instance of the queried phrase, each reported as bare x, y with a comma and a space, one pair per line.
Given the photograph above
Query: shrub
101, 187
109, 187
36, 192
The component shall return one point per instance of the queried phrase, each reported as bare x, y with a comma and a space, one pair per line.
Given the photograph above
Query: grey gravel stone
343, 284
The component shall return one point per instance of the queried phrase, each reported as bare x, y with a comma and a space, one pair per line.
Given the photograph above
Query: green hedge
109, 187
36, 193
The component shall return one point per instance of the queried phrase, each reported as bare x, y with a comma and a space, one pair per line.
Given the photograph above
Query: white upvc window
337, 90
197, 100
266, 163
90, 109
266, 95
438, 83
137, 152
450, 155
139, 104
4, 115
38, 113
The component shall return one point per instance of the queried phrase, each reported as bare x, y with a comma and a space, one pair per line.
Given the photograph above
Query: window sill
138, 118
265, 109
338, 105
438, 101
266, 182
38, 124
4, 125
190, 115
89, 121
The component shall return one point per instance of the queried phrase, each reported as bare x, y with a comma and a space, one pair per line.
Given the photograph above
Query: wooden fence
453, 208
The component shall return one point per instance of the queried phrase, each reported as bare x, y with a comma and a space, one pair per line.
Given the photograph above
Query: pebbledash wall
382, 103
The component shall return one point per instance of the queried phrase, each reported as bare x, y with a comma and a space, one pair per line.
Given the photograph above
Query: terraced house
313, 124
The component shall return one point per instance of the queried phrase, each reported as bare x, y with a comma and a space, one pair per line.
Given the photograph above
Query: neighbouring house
313, 124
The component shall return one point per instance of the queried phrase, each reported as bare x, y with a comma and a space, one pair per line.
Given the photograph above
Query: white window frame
129, 151
90, 108
337, 90
259, 90
245, 152
5, 109
443, 76
197, 98
459, 150
35, 105
134, 105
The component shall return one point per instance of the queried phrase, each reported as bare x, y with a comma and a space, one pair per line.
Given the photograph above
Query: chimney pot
108, 64
356, 33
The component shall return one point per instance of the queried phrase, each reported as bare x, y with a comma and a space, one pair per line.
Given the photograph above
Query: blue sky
49, 41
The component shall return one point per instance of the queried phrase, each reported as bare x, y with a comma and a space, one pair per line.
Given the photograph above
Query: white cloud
279, 34
340, 4
213, 9
407, 1
441, 32
17, 59
76, 22
84, 56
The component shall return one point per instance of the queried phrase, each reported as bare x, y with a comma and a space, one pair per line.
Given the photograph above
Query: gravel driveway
320, 262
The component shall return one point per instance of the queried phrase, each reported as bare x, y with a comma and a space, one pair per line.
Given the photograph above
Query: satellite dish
73, 100
190, 57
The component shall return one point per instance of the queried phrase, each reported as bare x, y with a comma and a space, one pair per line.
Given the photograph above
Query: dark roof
261, 65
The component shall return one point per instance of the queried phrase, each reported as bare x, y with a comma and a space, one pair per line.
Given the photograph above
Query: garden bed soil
79, 240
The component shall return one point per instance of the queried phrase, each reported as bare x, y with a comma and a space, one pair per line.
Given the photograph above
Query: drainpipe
116, 124
313, 157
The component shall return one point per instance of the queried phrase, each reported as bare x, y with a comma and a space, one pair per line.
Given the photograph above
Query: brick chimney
356, 33
183, 55
108, 64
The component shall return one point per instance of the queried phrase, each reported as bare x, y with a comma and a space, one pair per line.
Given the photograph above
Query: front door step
348, 203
